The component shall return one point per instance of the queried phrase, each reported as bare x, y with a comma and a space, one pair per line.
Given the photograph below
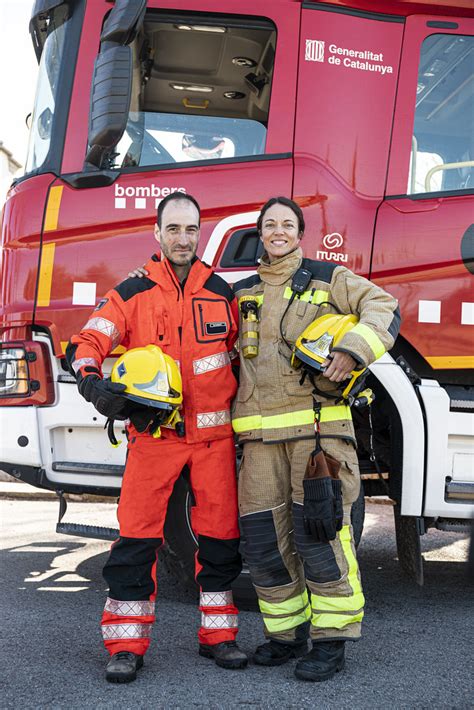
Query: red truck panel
22, 219
343, 128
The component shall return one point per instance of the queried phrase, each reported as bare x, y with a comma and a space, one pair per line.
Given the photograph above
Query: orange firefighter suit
194, 322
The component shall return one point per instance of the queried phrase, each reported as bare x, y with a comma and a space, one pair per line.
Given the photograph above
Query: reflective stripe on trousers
218, 611
280, 616
337, 612
333, 615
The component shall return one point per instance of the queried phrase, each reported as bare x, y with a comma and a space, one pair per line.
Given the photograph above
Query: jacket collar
161, 272
280, 270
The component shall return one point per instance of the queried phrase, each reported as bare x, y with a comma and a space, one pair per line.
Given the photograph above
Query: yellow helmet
316, 342
152, 378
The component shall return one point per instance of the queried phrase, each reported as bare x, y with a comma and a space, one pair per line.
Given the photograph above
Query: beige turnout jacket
271, 405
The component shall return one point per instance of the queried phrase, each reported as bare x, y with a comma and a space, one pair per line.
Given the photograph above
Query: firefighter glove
104, 395
141, 418
320, 510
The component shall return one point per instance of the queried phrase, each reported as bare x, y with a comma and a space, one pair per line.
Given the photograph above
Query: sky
18, 74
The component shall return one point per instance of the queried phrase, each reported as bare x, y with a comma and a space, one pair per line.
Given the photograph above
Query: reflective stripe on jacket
196, 325
271, 404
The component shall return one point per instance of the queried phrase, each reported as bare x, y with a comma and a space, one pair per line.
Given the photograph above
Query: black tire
179, 549
358, 516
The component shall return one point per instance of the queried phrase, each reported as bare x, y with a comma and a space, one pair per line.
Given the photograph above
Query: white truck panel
401, 390
14, 423
450, 452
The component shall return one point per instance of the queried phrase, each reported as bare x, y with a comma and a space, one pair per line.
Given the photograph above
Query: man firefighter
190, 313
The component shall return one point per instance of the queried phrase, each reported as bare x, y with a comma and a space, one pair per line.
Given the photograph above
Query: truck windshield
44, 111
199, 91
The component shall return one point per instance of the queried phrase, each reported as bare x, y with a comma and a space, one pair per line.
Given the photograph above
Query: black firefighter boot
226, 654
275, 653
324, 660
123, 666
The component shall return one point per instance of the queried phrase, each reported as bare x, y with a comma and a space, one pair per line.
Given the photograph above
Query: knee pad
261, 551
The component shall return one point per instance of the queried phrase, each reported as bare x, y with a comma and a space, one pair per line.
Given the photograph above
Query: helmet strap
109, 425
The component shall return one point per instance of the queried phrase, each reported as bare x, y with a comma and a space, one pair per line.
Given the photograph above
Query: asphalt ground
417, 649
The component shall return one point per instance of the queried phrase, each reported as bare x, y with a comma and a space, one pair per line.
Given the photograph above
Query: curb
19, 490
23, 491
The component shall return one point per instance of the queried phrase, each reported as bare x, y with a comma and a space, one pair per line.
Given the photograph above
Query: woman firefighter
299, 474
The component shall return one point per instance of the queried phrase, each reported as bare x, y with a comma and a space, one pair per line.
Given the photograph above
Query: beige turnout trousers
284, 561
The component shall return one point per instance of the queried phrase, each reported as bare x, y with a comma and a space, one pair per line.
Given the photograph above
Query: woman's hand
339, 366
138, 273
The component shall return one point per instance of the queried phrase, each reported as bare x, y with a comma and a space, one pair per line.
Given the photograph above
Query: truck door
424, 245
347, 80
211, 114
423, 250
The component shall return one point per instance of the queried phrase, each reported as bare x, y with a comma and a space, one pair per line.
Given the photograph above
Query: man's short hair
175, 196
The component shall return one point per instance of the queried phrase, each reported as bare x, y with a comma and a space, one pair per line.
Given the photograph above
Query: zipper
201, 318
174, 283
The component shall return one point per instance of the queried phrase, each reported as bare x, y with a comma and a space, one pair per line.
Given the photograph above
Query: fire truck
359, 110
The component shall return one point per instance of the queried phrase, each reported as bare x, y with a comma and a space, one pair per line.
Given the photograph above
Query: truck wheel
408, 545
358, 515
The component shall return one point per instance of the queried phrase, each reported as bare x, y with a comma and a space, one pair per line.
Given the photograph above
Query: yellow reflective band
353, 603
314, 296
45, 274
252, 334
247, 423
289, 606
370, 337
52, 208
274, 625
335, 621
333, 413
353, 574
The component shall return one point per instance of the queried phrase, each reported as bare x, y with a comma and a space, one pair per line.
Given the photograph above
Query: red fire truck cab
361, 111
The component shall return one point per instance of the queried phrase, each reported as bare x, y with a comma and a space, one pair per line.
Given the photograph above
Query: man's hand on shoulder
138, 273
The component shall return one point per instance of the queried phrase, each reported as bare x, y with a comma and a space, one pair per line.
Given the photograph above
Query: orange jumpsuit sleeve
105, 329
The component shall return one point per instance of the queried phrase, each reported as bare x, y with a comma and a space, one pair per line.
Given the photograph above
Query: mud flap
407, 533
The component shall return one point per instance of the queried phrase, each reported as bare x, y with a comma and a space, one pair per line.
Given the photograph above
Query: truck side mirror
112, 82
124, 21
110, 102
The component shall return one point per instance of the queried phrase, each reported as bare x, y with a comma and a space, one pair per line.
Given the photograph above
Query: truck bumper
62, 447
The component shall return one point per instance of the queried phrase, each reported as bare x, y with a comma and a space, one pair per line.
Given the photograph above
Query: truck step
89, 468
81, 530
453, 524
461, 398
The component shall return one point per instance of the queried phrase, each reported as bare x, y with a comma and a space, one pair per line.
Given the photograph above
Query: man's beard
172, 257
